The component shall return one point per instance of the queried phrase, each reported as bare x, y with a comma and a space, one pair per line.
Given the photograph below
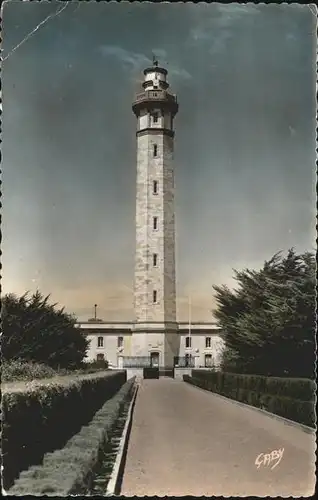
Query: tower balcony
155, 98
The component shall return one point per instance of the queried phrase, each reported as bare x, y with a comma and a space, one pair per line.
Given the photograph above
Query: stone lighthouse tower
155, 331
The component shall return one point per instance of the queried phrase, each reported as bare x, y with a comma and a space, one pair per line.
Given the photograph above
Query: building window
120, 341
100, 341
155, 150
208, 361
100, 357
207, 341
154, 296
155, 187
155, 259
155, 117
188, 342
155, 222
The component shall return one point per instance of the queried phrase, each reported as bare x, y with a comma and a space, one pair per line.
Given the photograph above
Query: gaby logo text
268, 458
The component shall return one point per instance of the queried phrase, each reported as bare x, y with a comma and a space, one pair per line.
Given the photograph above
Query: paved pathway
187, 441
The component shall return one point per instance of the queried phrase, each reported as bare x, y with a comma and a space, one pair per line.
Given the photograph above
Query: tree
35, 330
269, 319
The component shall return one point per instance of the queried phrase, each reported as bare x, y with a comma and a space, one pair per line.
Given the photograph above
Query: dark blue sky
244, 147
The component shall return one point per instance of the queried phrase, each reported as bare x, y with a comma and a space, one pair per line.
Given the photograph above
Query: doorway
154, 359
208, 361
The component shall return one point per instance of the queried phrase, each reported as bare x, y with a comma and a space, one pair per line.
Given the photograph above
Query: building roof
127, 326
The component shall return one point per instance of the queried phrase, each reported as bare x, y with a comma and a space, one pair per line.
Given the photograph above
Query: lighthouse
155, 331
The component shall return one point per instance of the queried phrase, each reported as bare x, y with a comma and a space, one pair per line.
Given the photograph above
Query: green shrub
293, 409
302, 389
241, 395
269, 320
21, 370
92, 366
17, 370
69, 471
297, 388
35, 330
253, 399
202, 373
42, 418
151, 372
251, 382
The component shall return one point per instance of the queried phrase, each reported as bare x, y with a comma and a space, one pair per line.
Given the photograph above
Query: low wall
139, 373
179, 372
135, 372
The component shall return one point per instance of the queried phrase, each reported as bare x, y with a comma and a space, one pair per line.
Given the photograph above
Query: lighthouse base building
155, 337
114, 342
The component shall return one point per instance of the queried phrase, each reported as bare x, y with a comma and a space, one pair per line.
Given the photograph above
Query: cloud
217, 23
234, 11
135, 61
131, 59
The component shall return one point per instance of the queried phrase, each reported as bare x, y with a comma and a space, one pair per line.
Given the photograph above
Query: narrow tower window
155, 222
155, 259
188, 342
155, 117
155, 187
155, 150
207, 341
100, 341
154, 296
120, 341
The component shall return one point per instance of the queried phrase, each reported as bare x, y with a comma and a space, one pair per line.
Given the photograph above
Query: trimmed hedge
151, 372
289, 398
70, 471
166, 372
41, 418
296, 388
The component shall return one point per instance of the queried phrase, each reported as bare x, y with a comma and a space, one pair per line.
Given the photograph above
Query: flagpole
189, 314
